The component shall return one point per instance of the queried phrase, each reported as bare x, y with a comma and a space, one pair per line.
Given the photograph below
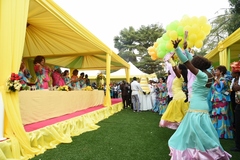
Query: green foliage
132, 45
231, 17
128, 56
137, 41
235, 4
217, 34
233, 23
223, 25
147, 65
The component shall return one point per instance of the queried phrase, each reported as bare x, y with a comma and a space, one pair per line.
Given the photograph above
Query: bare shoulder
210, 79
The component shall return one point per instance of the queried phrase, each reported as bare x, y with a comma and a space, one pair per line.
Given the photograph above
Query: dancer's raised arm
184, 58
175, 68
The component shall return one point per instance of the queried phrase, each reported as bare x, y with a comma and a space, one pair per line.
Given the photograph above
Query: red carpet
41, 124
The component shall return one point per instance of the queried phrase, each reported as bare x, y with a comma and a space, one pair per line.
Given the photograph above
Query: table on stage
40, 105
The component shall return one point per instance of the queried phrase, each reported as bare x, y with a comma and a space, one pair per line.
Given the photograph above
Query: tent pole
107, 99
127, 70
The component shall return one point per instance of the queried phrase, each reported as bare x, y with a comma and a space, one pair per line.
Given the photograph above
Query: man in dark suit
124, 91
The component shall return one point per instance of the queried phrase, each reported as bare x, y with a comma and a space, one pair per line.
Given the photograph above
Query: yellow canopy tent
32, 27
58, 37
227, 51
134, 72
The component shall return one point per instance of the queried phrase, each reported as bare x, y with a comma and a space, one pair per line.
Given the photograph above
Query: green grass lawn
126, 135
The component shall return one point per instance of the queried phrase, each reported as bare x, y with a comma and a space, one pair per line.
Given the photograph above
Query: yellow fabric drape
50, 136
13, 20
216, 54
127, 70
14, 15
45, 103
229, 59
63, 41
107, 100
223, 58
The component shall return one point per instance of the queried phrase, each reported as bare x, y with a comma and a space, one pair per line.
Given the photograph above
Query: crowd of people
200, 102
47, 77
169, 100
197, 100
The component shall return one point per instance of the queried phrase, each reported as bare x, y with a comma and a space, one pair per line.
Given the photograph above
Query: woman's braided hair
184, 72
201, 63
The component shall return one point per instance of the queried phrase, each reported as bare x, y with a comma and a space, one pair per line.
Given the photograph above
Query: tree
223, 25
133, 44
147, 65
234, 16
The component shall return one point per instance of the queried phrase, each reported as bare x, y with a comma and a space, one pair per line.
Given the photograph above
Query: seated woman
24, 77
82, 81
42, 72
66, 78
75, 80
57, 77
87, 80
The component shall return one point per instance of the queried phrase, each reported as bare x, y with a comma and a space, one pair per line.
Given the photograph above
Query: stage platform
49, 133
55, 104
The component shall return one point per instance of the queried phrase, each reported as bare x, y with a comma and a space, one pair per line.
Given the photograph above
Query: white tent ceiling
134, 72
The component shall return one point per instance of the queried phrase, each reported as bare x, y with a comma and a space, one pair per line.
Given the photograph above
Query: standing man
135, 87
129, 100
124, 91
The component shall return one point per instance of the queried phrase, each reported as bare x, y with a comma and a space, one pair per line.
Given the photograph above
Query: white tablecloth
146, 102
40, 105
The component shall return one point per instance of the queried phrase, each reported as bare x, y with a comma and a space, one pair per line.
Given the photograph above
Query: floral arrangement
13, 83
26, 88
235, 66
88, 88
63, 88
100, 81
100, 87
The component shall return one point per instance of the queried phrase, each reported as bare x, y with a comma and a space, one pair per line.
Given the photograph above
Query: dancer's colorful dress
196, 137
177, 108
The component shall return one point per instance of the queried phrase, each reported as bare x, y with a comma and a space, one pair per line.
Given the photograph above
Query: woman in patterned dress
220, 99
66, 78
24, 79
42, 72
74, 80
162, 96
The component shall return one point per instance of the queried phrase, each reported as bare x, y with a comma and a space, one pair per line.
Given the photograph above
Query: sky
106, 18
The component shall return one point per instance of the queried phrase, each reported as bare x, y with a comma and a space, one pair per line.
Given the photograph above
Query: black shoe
235, 149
